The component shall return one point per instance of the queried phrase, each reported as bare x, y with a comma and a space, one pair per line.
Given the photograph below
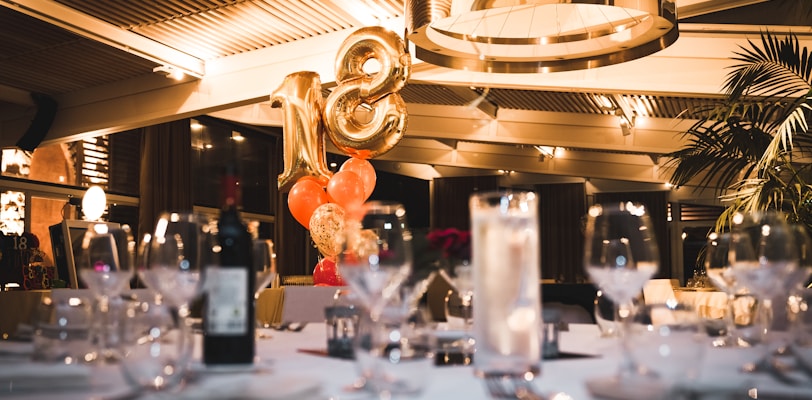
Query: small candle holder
342, 325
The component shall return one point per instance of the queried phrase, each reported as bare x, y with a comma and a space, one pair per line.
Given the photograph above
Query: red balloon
346, 189
304, 198
326, 274
364, 170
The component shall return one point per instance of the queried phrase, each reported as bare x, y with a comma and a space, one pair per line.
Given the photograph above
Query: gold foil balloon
300, 97
326, 224
365, 115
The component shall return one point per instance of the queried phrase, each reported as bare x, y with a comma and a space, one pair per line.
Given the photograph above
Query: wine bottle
228, 316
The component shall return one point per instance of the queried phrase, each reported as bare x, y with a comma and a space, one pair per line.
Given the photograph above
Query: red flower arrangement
454, 243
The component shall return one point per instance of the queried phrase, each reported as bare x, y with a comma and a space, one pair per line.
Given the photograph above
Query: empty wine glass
265, 267
264, 264
175, 256
375, 260
620, 257
772, 257
106, 267
160, 346
720, 250
376, 254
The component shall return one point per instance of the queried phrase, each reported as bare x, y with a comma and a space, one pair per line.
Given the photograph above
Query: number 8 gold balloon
377, 93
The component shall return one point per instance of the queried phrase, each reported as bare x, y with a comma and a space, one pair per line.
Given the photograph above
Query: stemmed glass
720, 250
769, 261
106, 268
175, 257
265, 268
160, 345
376, 254
264, 264
375, 260
620, 257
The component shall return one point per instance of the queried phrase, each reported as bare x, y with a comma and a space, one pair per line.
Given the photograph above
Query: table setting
375, 342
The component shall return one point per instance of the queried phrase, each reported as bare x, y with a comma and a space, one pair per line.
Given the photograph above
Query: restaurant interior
565, 104
148, 99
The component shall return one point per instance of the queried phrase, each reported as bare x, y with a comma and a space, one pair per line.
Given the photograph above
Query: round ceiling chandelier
526, 36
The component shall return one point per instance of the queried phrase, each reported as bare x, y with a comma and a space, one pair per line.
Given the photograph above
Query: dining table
294, 365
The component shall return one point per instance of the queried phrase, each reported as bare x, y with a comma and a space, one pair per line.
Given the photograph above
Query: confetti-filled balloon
326, 224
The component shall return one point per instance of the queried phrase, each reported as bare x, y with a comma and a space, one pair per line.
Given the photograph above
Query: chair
435, 296
297, 280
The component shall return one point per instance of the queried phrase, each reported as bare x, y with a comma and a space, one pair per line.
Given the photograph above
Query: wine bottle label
227, 313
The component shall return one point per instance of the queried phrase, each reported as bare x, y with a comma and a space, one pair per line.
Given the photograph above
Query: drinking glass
375, 259
173, 259
62, 330
774, 255
264, 261
264, 264
376, 254
395, 354
721, 248
765, 266
106, 267
620, 256
668, 343
507, 304
155, 347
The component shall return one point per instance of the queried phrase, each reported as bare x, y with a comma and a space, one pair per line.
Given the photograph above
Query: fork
511, 387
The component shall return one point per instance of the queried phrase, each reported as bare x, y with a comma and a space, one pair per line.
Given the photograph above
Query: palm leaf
768, 97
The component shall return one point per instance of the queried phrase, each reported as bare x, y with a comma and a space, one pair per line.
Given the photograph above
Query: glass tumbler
63, 330
156, 348
668, 342
507, 306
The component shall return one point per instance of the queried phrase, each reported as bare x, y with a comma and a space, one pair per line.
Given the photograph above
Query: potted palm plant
753, 148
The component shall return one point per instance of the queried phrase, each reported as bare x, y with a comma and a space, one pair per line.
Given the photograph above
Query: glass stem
730, 317
624, 313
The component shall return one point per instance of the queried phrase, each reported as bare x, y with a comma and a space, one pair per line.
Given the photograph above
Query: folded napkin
252, 386
32, 376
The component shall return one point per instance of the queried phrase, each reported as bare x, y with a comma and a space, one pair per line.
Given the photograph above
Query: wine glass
620, 257
264, 264
264, 261
375, 260
175, 256
376, 254
106, 267
772, 257
720, 250
173, 260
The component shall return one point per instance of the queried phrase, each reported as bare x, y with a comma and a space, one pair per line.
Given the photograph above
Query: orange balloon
305, 196
364, 170
321, 180
346, 189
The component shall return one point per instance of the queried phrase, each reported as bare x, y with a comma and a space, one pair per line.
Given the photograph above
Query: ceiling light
626, 125
532, 38
237, 137
545, 152
170, 72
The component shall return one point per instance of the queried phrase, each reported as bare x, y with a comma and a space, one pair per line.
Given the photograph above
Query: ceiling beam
93, 28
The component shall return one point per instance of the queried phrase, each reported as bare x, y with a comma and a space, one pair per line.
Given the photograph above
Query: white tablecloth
281, 361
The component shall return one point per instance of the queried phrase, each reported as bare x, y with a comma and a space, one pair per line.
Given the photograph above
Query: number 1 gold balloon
377, 92
300, 97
